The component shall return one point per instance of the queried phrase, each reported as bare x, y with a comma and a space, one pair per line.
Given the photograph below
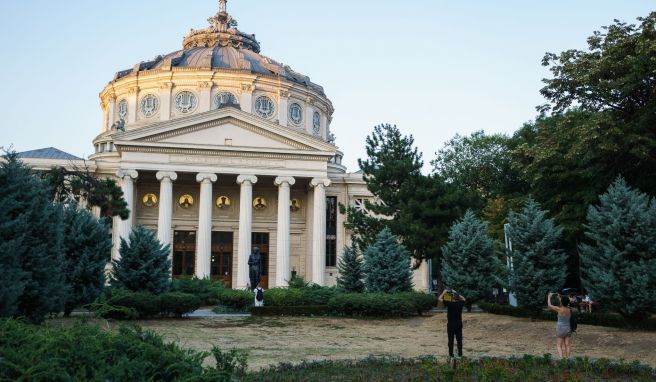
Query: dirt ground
272, 340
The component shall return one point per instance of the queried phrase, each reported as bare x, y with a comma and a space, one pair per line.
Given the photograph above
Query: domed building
220, 150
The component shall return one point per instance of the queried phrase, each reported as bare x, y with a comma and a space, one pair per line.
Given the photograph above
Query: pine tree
387, 265
31, 280
87, 249
350, 271
619, 260
539, 265
144, 264
469, 261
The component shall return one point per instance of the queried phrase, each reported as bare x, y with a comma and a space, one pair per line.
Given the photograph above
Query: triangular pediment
226, 129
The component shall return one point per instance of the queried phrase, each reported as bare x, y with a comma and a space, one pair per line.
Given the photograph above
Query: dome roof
221, 47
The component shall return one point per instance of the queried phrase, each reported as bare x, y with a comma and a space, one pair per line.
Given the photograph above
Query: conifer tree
619, 259
144, 264
87, 249
31, 280
387, 265
469, 261
350, 271
539, 264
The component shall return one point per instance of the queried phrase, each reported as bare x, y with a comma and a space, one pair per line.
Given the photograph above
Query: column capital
206, 176
122, 173
173, 176
246, 178
320, 181
284, 179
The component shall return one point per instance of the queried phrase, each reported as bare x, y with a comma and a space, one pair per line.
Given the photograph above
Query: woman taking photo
563, 330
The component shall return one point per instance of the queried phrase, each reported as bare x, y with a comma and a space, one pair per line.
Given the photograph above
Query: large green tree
387, 265
87, 249
538, 263
144, 263
80, 186
619, 255
469, 261
32, 283
418, 209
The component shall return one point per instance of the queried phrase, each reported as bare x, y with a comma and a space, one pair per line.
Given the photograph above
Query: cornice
126, 147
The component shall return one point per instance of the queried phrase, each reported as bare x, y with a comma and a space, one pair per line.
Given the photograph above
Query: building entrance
261, 240
221, 265
184, 254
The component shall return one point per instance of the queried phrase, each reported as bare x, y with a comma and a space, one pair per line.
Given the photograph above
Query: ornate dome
221, 47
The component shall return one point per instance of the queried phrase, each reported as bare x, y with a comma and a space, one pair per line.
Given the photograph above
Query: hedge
205, 289
597, 319
305, 310
123, 304
88, 353
237, 300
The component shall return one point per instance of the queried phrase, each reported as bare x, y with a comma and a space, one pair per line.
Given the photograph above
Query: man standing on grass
454, 303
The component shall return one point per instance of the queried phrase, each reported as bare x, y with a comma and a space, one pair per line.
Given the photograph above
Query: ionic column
204, 236
284, 222
165, 101
246, 98
205, 96
245, 227
283, 105
125, 226
166, 180
110, 113
319, 230
133, 106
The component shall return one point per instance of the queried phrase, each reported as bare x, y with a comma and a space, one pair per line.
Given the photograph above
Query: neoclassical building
220, 149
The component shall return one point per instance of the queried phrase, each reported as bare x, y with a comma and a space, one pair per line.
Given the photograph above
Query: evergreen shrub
89, 353
238, 300
123, 304
178, 304
387, 265
205, 289
378, 304
283, 297
305, 310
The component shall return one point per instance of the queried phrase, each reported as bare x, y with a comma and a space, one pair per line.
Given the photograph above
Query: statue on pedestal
255, 267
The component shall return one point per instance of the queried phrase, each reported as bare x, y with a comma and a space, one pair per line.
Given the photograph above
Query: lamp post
512, 299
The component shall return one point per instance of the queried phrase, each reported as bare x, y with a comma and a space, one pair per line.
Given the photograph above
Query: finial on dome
222, 21
223, 4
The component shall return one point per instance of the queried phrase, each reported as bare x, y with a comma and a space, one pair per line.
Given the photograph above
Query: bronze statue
255, 267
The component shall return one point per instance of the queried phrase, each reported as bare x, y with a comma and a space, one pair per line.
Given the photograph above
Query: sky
434, 68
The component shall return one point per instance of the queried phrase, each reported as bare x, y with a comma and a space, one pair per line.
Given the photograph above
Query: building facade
220, 149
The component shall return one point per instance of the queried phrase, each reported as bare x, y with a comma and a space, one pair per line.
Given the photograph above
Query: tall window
331, 231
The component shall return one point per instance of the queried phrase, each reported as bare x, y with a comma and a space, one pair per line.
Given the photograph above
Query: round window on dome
186, 102
264, 107
149, 105
223, 99
295, 113
316, 123
123, 109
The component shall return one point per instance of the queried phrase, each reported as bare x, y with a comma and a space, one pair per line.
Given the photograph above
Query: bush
371, 305
238, 300
205, 289
422, 302
88, 353
297, 282
305, 310
123, 304
319, 295
283, 297
596, 319
178, 303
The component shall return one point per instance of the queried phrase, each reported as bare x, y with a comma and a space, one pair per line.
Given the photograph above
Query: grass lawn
274, 340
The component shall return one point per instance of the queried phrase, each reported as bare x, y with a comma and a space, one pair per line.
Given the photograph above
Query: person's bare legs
559, 344
567, 345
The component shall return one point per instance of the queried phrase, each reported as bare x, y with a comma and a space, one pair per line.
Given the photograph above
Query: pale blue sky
435, 68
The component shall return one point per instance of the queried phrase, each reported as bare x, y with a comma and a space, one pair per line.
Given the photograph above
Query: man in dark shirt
454, 303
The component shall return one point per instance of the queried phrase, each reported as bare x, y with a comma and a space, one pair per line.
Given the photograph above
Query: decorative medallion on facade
149, 200
259, 203
295, 205
264, 107
223, 202
316, 123
123, 109
225, 99
186, 102
186, 201
295, 113
149, 105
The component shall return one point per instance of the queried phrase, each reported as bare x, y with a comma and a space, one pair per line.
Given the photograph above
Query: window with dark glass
331, 231
184, 253
221, 259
